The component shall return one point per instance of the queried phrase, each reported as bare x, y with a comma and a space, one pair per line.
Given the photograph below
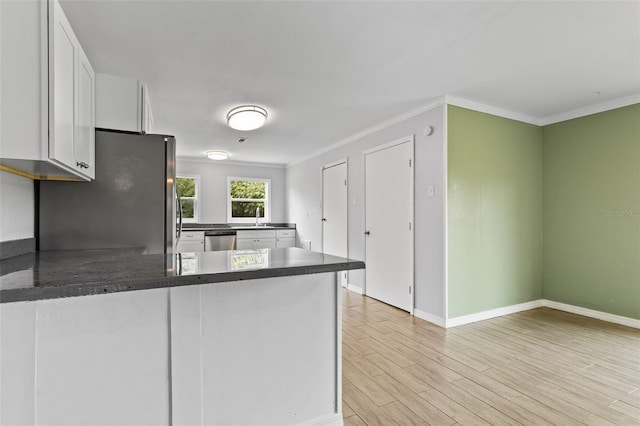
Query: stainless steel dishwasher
219, 240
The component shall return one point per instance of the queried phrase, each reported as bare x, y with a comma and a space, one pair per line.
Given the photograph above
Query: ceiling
326, 70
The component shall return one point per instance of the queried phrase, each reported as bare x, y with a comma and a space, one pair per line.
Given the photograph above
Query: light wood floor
539, 367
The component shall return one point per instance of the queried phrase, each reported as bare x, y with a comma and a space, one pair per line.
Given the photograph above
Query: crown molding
593, 109
477, 106
387, 123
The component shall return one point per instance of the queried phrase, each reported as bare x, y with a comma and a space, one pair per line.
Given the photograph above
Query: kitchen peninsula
216, 338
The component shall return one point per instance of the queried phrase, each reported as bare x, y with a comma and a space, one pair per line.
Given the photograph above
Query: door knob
367, 233
324, 219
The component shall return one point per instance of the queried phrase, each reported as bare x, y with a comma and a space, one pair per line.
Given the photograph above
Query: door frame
344, 160
411, 140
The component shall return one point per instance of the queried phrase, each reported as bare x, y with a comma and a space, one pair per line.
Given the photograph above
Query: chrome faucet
257, 214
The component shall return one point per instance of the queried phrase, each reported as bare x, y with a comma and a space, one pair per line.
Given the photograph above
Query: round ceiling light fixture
218, 155
247, 117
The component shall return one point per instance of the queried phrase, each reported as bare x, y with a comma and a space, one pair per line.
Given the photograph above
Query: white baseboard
498, 312
355, 289
439, 321
334, 419
604, 316
506, 310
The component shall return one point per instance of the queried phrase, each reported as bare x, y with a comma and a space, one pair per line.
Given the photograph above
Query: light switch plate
431, 191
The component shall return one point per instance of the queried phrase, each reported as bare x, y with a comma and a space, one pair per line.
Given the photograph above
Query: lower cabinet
285, 238
268, 238
191, 241
100, 360
285, 242
241, 352
248, 240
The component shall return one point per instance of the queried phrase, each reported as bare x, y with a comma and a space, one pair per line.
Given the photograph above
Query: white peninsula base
255, 352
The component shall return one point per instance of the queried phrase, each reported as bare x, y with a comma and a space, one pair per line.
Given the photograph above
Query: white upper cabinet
147, 115
122, 104
86, 118
71, 100
47, 108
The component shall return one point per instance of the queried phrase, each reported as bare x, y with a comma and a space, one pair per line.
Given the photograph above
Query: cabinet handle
82, 164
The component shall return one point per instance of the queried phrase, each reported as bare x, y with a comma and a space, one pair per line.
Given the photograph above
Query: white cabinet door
17, 363
191, 241
244, 240
255, 243
244, 244
104, 360
265, 243
247, 240
84, 148
47, 94
147, 115
122, 104
265, 239
62, 87
285, 242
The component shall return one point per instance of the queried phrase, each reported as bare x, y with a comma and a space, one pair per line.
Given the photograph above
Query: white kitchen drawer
285, 233
262, 233
190, 245
192, 236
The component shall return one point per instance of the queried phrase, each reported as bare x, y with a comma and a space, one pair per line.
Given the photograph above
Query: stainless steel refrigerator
131, 202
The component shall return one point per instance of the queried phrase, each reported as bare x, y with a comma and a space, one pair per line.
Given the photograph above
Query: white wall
304, 195
16, 207
213, 186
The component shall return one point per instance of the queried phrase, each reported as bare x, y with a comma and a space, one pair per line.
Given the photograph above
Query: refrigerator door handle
179, 226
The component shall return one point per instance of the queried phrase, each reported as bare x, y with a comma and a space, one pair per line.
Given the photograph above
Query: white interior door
334, 211
389, 223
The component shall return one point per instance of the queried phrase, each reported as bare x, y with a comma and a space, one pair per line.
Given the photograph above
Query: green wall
494, 212
591, 187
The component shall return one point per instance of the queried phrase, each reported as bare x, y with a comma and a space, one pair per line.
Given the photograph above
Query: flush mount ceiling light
218, 155
246, 117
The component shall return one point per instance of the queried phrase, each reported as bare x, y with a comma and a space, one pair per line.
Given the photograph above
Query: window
246, 195
188, 192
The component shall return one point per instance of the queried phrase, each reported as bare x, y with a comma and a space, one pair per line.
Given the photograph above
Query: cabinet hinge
409, 289
345, 182
409, 226
409, 162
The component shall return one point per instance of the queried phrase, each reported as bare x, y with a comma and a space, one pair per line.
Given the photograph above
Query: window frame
266, 215
195, 198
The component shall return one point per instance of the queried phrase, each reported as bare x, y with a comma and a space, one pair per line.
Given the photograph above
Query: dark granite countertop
56, 274
234, 226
